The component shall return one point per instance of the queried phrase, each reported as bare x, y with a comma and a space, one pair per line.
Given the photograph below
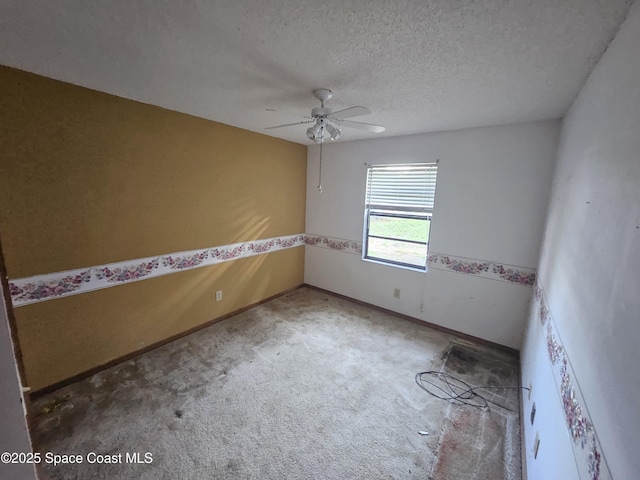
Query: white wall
491, 198
590, 263
14, 436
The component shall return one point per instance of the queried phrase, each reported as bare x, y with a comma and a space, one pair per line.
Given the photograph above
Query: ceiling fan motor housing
320, 112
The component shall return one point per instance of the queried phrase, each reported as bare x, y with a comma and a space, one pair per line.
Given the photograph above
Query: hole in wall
533, 412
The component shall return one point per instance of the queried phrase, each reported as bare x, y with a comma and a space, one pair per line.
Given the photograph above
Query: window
398, 209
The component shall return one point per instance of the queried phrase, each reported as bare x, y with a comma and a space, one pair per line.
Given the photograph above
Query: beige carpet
307, 386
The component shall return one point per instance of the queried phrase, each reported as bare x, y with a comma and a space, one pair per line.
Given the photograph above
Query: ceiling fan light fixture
311, 134
335, 132
315, 132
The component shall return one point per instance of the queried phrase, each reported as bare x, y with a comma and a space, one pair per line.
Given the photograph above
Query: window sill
393, 265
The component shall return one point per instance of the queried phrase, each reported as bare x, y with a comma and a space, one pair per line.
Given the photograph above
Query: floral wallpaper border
342, 245
586, 447
440, 261
39, 288
483, 268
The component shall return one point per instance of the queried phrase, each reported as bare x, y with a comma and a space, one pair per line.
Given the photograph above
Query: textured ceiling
420, 66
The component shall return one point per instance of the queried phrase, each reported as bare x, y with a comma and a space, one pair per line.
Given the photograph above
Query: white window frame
399, 190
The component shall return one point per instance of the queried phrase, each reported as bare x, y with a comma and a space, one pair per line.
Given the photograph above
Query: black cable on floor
456, 390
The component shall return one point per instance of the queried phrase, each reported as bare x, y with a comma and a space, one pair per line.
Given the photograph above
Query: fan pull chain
320, 170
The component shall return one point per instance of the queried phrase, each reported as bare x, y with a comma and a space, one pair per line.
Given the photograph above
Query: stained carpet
307, 386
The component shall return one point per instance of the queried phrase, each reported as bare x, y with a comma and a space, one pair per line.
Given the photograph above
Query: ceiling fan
323, 118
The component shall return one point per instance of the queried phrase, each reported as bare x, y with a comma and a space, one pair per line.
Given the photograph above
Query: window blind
410, 187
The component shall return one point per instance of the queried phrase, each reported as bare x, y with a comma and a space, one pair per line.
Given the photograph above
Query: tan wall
88, 178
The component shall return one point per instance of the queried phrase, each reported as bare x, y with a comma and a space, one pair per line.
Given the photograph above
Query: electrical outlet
396, 293
422, 308
530, 389
218, 295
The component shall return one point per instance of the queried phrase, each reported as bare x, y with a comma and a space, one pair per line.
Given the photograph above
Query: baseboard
92, 371
440, 328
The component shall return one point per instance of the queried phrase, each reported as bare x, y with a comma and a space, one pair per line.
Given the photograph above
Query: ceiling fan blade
290, 124
349, 112
362, 126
